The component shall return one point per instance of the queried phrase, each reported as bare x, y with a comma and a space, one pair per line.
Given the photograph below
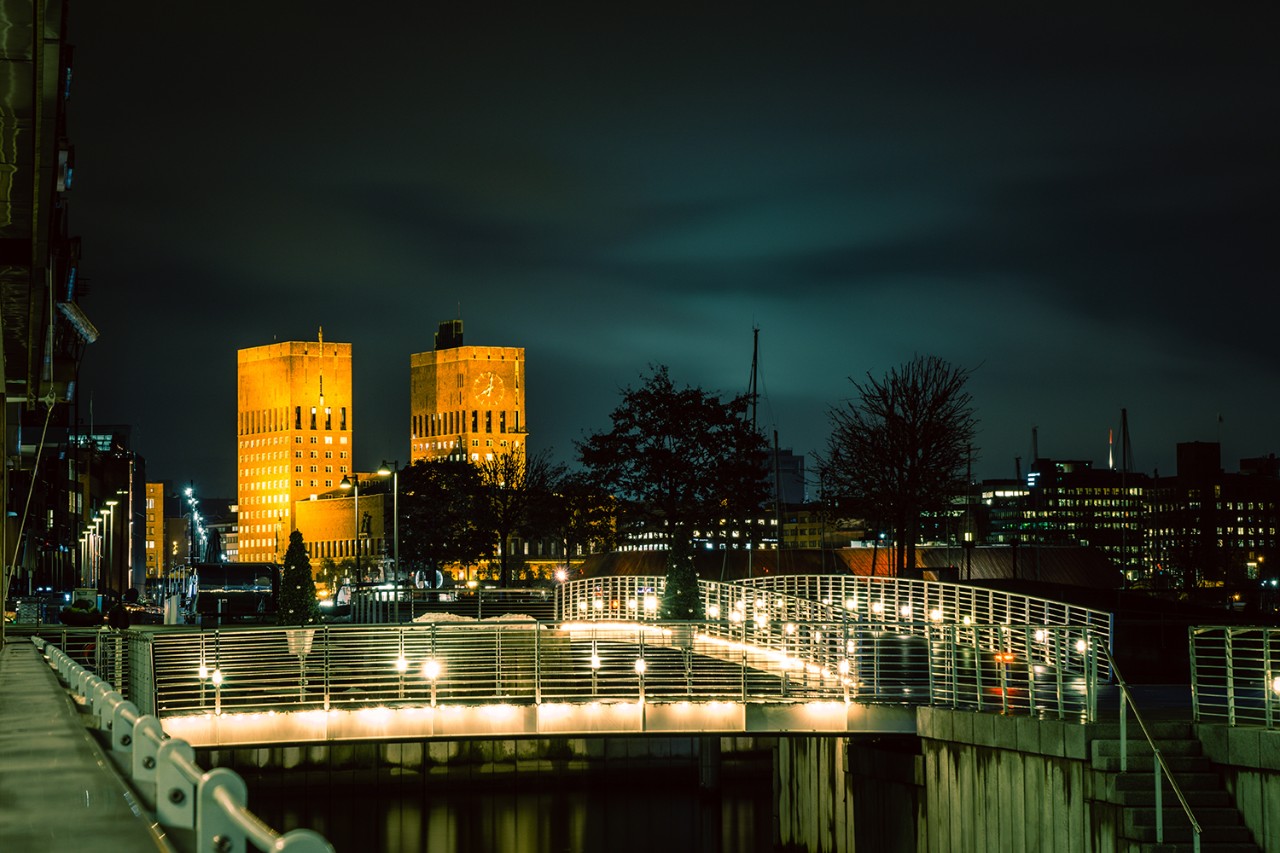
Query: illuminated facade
153, 532
294, 436
465, 402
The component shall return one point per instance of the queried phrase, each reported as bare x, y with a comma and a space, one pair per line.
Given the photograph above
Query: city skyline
1074, 207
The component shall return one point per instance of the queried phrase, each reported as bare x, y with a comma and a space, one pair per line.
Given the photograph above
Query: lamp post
354, 483
394, 473
109, 514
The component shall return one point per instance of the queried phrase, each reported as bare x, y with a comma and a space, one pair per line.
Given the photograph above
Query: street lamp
349, 483
109, 514
393, 471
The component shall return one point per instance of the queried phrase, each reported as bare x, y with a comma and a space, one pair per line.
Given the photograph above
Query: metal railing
1161, 767
894, 600
916, 608
1043, 669
1235, 675
210, 806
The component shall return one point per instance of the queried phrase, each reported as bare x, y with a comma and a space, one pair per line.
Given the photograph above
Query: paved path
58, 791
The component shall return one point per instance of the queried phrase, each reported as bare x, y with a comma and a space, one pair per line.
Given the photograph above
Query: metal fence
916, 608
745, 660
1235, 675
201, 811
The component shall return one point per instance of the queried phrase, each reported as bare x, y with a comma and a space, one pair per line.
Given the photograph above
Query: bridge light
562, 575
582, 606
826, 601
713, 611
966, 620
740, 605
632, 604
761, 619
1040, 635
1080, 646
650, 603
843, 667
935, 614
217, 676
202, 673
431, 669
906, 611
1275, 685
402, 666
641, 666
877, 607
790, 627
595, 661
735, 616
851, 604
761, 604
598, 604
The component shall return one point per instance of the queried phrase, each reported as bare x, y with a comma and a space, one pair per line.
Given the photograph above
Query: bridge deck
59, 792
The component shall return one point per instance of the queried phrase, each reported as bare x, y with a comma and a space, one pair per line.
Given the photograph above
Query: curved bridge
821, 654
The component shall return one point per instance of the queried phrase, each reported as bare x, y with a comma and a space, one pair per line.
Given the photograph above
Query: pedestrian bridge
833, 654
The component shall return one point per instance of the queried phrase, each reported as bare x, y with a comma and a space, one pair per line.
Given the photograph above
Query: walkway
58, 790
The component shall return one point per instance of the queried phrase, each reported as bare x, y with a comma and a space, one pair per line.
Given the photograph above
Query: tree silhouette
900, 448
297, 604
444, 518
679, 460
512, 483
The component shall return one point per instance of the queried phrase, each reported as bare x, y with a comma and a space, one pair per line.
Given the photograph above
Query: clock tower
465, 402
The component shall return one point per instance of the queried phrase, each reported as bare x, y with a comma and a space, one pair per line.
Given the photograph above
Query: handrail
162, 770
1126, 699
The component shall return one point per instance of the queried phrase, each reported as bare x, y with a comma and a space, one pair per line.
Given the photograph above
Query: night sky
1080, 207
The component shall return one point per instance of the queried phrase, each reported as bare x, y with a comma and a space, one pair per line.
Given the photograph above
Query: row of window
273, 420
453, 423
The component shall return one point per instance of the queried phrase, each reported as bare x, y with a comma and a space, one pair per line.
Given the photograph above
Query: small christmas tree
681, 598
297, 604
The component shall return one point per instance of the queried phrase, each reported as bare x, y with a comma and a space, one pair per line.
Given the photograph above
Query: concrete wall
1249, 760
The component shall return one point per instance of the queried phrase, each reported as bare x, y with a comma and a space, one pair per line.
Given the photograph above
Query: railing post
215, 831
537, 663
1159, 798
1124, 732
175, 794
1229, 659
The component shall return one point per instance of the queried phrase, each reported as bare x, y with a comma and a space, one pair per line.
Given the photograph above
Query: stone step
1141, 747
1215, 818
1162, 730
1209, 797
1147, 763
1205, 847
1200, 781
1238, 835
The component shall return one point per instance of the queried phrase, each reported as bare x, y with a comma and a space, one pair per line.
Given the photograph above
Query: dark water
535, 815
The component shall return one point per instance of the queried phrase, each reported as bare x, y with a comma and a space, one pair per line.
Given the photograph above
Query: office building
295, 436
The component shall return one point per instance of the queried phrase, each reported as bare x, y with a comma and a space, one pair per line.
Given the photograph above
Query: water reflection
556, 816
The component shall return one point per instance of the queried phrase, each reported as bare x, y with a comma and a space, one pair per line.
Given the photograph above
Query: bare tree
511, 484
900, 447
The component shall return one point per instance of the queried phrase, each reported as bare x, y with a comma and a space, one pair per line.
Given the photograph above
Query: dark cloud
1078, 205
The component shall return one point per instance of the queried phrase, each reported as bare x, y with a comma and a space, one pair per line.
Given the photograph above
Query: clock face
489, 388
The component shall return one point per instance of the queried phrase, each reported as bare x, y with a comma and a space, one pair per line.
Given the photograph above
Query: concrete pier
58, 791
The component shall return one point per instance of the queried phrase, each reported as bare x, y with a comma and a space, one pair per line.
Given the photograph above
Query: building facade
466, 402
295, 436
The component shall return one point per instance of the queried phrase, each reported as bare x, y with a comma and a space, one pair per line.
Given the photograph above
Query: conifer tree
297, 601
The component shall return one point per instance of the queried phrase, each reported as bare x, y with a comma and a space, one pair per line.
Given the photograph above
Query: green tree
444, 518
901, 446
678, 460
512, 484
297, 604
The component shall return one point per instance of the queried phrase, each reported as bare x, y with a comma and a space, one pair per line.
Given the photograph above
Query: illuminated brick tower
295, 437
465, 402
